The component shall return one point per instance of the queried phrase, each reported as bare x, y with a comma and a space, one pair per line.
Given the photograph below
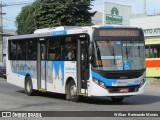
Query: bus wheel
73, 91
117, 99
29, 87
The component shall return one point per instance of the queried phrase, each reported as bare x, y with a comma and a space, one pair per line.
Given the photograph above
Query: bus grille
117, 89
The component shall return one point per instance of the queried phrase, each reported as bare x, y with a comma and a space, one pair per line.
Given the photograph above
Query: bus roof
56, 31
62, 30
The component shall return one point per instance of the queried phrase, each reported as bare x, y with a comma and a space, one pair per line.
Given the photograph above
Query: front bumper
96, 90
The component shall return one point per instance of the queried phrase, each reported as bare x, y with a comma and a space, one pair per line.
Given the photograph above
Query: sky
152, 7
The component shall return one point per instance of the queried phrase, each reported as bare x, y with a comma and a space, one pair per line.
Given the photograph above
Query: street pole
1, 40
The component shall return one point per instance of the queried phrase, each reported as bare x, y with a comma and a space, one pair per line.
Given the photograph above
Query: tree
63, 13
51, 13
24, 21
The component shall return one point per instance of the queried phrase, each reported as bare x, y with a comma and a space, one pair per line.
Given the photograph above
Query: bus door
82, 63
41, 61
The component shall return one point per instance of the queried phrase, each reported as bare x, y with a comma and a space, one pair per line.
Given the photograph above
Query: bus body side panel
152, 67
43, 74
57, 73
17, 71
97, 90
89, 82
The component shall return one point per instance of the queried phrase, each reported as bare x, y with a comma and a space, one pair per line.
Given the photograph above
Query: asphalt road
13, 98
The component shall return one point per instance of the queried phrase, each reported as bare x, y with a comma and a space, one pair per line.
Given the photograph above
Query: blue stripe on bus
106, 27
58, 66
23, 73
108, 82
59, 33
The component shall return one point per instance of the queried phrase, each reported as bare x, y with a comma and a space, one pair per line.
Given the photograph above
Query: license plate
123, 90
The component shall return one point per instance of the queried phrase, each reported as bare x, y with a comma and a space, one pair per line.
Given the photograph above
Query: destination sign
117, 32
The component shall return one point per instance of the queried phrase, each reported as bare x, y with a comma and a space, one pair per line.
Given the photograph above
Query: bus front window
119, 55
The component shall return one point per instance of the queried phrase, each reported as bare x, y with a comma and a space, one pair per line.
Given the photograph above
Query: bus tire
73, 92
29, 87
117, 99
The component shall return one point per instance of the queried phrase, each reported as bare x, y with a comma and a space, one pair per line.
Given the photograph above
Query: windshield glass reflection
119, 55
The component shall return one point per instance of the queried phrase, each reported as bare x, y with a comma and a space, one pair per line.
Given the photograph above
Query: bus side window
34, 54
71, 55
32, 50
69, 48
13, 50
54, 51
51, 54
21, 50
43, 51
13, 56
57, 54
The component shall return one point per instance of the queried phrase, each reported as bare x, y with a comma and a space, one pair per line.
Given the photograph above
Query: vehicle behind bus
152, 57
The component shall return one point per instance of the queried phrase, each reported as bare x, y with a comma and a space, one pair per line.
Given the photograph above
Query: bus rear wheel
73, 92
117, 99
29, 87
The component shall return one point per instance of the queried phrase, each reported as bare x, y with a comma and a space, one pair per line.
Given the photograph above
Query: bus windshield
119, 55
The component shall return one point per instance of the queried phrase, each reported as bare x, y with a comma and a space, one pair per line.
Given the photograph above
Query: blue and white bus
79, 61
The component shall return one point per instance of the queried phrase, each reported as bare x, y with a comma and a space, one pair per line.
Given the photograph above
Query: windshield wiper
126, 51
114, 56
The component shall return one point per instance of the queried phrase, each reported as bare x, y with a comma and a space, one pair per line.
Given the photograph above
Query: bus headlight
95, 80
142, 82
100, 83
